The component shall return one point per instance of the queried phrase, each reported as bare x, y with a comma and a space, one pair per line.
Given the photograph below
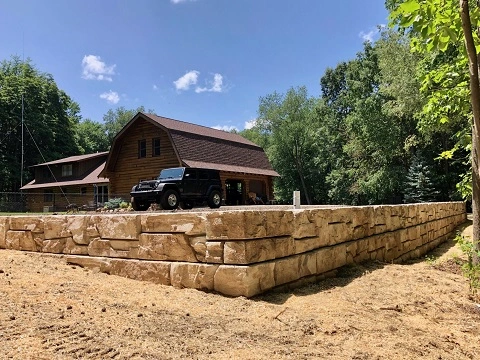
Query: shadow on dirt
348, 273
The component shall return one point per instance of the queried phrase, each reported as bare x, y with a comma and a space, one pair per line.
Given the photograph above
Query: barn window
156, 147
142, 148
67, 170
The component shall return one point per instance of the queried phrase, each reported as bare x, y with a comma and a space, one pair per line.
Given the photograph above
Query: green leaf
409, 7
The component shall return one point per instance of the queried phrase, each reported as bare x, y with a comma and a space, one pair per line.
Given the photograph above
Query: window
101, 195
83, 190
48, 195
142, 148
156, 147
67, 170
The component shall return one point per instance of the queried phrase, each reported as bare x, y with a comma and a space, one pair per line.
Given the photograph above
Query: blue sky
201, 61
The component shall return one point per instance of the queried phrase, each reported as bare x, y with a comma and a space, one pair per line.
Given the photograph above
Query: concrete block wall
240, 252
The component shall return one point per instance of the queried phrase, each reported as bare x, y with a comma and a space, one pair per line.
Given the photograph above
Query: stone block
325, 260
236, 225
249, 251
174, 246
117, 226
199, 245
303, 226
194, 276
54, 246
214, 252
153, 271
192, 224
78, 225
308, 244
101, 247
21, 240
236, 280
286, 270
56, 227
307, 264
31, 223
284, 246
71, 247
4, 227
89, 262
340, 232
279, 223
339, 254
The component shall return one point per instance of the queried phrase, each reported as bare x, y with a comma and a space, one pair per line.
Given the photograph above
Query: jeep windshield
175, 173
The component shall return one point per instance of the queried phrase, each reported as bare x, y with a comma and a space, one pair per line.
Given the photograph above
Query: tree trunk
475, 100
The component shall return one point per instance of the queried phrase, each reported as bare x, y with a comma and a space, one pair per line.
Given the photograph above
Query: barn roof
196, 144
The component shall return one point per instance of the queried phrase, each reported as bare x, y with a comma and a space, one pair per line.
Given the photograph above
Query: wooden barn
71, 180
149, 143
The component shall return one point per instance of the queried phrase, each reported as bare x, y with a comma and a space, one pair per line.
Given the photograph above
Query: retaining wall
236, 252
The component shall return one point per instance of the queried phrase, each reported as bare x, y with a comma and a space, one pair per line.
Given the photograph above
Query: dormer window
67, 170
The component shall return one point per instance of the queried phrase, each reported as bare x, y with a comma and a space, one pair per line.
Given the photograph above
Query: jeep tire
170, 200
214, 199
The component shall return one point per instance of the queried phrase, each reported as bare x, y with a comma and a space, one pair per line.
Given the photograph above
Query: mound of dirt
423, 309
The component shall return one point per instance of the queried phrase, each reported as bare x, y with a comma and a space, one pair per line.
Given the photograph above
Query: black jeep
173, 186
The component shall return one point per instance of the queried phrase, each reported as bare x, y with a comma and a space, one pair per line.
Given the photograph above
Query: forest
392, 125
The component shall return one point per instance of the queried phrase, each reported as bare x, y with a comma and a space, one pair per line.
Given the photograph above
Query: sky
202, 61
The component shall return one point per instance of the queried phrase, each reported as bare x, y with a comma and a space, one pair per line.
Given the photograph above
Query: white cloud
187, 80
227, 128
250, 124
180, 1
95, 68
155, 87
217, 84
111, 97
369, 36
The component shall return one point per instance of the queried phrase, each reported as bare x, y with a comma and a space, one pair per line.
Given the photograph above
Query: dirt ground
52, 310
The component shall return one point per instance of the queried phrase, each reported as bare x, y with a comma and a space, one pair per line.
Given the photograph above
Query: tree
115, 120
291, 120
91, 137
50, 117
441, 26
420, 185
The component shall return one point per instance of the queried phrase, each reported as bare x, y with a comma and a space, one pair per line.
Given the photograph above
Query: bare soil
424, 309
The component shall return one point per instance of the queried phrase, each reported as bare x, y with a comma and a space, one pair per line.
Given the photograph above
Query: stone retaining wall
237, 252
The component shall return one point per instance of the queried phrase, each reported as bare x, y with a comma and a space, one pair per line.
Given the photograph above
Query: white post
296, 199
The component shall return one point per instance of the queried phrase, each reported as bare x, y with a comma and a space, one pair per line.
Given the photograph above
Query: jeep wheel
214, 199
169, 200
187, 205
138, 205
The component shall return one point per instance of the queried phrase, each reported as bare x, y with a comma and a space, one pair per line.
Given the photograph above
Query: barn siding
129, 169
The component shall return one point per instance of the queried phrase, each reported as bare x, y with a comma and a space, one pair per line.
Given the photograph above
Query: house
149, 143
72, 180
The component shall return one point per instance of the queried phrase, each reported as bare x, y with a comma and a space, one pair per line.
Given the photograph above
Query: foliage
50, 117
420, 185
471, 270
116, 203
290, 120
91, 137
115, 120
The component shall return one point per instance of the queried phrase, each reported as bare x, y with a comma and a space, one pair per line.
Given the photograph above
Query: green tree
420, 185
115, 120
91, 137
50, 117
442, 26
291, 121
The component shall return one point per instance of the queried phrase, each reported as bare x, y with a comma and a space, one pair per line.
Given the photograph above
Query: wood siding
72, 195
129, 169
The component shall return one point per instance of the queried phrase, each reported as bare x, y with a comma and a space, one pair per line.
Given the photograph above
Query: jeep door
190, 187
203, 182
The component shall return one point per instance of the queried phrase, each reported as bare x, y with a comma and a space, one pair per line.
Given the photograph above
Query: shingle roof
90, 178
220, 149
182, 126
75, 158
